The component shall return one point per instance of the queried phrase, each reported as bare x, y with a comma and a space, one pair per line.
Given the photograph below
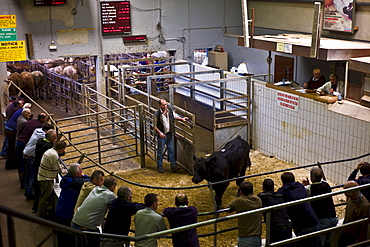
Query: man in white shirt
165, 129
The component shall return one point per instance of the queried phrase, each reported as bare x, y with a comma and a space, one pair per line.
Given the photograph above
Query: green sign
8, 34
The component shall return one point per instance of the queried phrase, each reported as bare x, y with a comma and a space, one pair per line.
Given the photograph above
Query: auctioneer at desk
330, 99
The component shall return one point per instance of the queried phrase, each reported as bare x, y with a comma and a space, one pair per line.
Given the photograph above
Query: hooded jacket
301, 215
71, 187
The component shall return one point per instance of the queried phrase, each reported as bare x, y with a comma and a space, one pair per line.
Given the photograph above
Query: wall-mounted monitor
134, 38
49, 2
115, 17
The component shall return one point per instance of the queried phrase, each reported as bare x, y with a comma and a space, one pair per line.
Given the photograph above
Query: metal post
122, 80
268, 227
11, 231
83, 92
98, 136
1, 235
249, 93
141, 128
269, 61
323, 175
216, 214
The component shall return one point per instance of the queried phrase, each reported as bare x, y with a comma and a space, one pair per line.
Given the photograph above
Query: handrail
260, 210
10, 212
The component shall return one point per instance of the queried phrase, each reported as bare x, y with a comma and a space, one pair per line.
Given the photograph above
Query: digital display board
115, 17
49, 2
134, 38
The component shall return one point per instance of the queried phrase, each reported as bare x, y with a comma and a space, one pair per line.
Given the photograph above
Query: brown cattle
27, 84
15, 78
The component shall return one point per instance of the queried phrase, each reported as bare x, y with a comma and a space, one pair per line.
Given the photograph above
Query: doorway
284, 68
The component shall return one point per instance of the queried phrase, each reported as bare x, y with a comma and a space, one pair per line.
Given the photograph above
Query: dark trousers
11, 160
63, 238
280, 233
92, 240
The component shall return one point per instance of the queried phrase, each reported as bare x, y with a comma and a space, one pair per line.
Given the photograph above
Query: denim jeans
4, 150
251, 241
309, 242
29, 177
169, 141
325, 239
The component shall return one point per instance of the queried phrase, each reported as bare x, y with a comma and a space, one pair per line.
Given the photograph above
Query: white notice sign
287, 100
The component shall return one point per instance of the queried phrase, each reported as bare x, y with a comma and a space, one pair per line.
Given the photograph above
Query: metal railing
11, 227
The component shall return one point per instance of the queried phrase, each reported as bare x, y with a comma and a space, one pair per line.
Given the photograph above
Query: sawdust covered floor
200, 197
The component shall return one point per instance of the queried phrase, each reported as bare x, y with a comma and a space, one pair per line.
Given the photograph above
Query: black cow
230, 162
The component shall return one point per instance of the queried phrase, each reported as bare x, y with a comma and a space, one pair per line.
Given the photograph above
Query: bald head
181, 200
351, 194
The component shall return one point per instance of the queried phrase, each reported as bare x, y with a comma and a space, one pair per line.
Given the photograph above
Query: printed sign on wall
288, 101
8, 21
12, 51
338, 15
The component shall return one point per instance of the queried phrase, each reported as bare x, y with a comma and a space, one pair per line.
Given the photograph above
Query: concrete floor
28, 234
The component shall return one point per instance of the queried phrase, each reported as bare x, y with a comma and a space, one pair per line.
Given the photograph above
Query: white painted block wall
307, 136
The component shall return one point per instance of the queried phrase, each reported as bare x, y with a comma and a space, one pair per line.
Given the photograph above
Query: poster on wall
338, 15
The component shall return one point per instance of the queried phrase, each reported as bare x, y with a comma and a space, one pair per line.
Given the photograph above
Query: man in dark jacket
71, 185
324, 208
281, 227
23, 137
182, 215
11, 134
120, 211
303, 217
165, 129
364, 168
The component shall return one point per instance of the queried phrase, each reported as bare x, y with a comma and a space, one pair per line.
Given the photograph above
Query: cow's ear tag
223, 150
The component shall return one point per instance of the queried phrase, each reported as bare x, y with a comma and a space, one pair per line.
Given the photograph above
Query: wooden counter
330, 99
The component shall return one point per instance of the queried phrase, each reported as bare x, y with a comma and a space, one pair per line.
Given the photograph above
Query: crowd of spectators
89, 203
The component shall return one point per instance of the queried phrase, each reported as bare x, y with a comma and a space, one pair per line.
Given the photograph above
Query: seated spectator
323, 208
364, 168
148, 221
120, 211
97, 179
249, 226
357, 208
334, 85
182, 215
281, 227
302, 216
316, 81
91, 213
